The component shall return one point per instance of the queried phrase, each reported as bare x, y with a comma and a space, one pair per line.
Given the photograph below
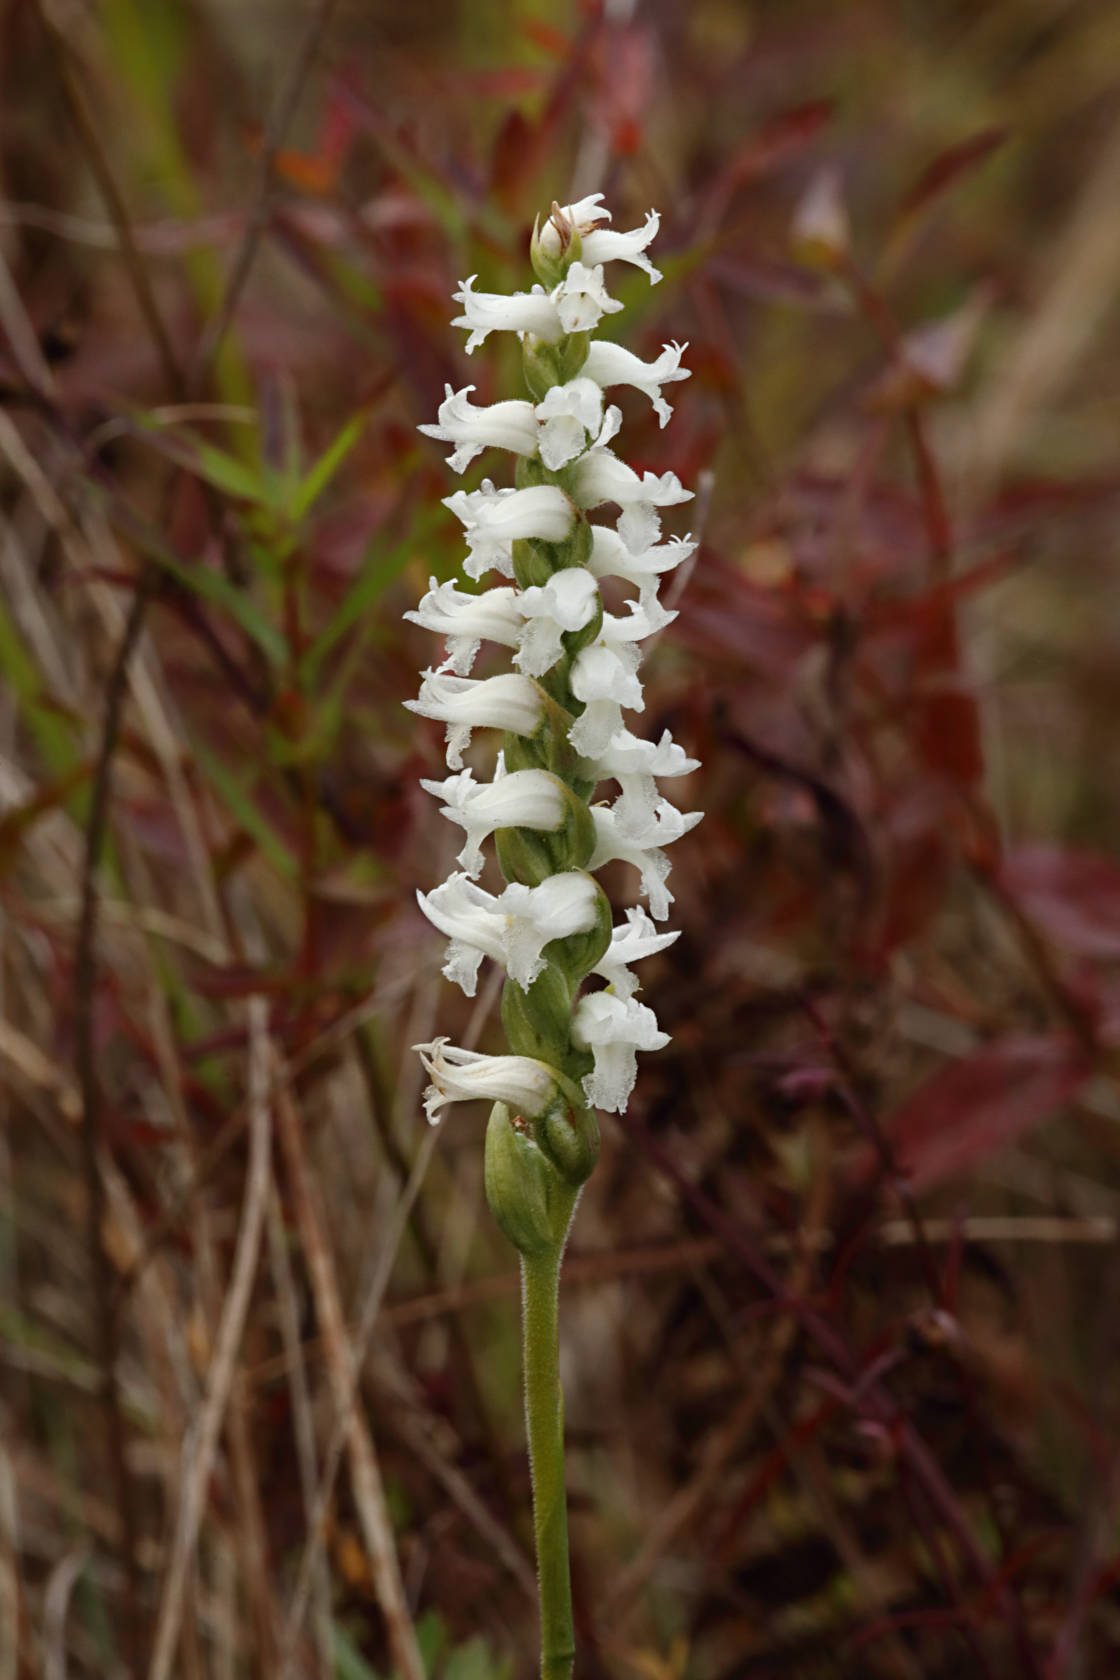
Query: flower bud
570, 1139
538, 1019
517, 1177
553, 248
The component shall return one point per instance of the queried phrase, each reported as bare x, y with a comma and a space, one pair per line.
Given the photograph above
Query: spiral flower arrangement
561, 713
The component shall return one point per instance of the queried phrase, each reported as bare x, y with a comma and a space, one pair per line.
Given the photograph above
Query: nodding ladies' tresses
571, 1017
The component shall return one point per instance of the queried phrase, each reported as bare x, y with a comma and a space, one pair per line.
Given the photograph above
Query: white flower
582, 216
568, 432
611, 557
564, 904
602, 477
466, 914
513, 928
630, 941
518, 799
581, 299
566, 415
509, 701
642, 847
633, 763
611, 364
613, 1029
604, 678
602, 245
502, 425
599, 244
495, 519
643, 617
468, 620
566, 602
528, 1086
604, 675
487, 312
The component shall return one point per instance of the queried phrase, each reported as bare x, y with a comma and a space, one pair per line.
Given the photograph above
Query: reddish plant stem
881, 1407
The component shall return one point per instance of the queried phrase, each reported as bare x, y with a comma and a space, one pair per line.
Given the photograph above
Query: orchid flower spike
574, 788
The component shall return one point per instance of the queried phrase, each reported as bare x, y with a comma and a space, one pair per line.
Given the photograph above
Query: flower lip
581, 298
613, 1029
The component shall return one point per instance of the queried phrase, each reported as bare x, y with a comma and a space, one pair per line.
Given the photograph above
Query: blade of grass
240, 805
377, 571
326, 466
211, 585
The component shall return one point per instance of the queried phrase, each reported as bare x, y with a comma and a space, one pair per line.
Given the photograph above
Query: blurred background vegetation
840, 1316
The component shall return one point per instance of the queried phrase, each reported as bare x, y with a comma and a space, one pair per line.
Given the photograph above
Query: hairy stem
544, 1413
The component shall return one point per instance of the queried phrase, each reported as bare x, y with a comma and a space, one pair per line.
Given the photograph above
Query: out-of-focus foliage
840, 1315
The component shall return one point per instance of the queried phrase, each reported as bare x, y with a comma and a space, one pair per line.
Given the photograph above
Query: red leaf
948, 167
782, 137
973, 1108
1073, 896
545, 36
946, 732
515, 155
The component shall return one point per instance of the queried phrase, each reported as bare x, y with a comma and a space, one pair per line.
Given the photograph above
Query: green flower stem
544, 1412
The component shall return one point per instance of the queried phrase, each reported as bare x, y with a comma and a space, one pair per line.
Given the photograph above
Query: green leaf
242, 808
21, 673
475, 1661
205, 581
316, 481
377, 571
347, 1660
228, 473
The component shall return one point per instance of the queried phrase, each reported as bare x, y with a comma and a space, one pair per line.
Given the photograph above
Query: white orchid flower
605, 678
512, 928
611, 557
567, 416
601, 477
634, 763
469, 620
603, 245
581, 298
612, 364
631, 940
528, 1086
495, 519
642, 847
600, 244
509, 701
533, 799
613, 1029
566, 602
522, 312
